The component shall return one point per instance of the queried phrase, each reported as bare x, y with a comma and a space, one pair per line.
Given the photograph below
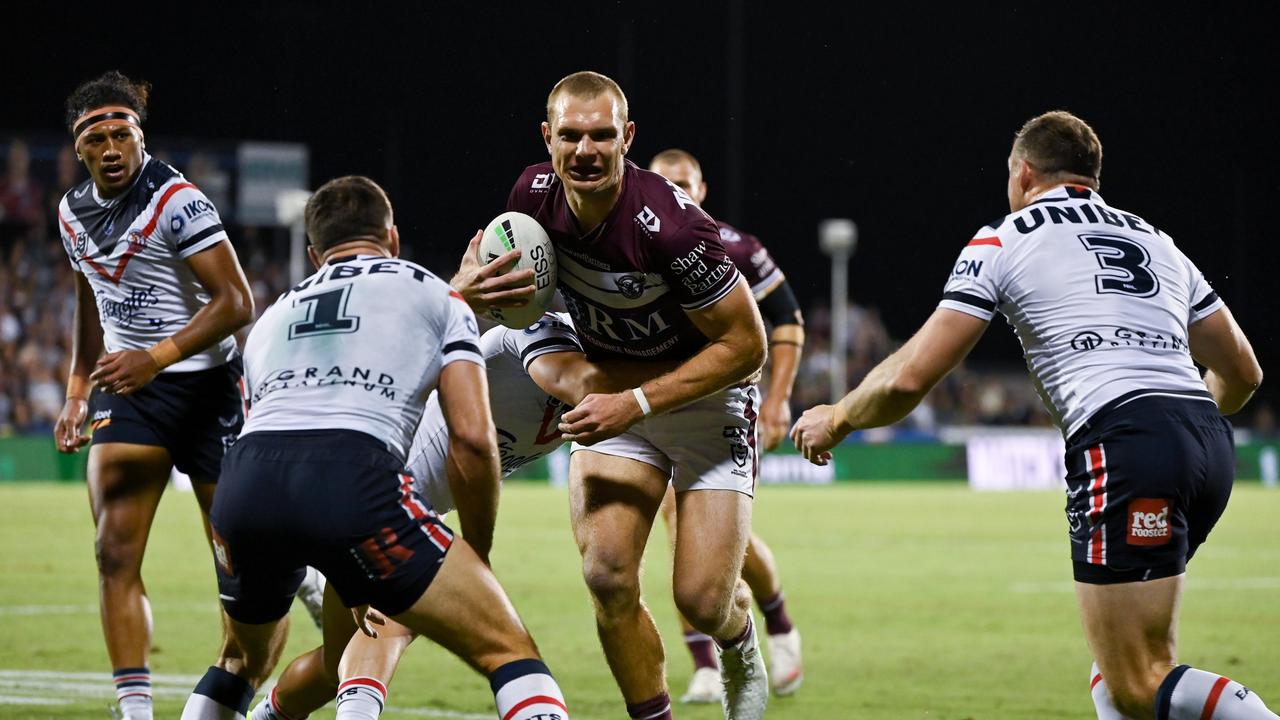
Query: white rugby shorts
710, 444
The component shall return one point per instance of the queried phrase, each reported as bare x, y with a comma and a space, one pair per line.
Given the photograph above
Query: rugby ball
509, 231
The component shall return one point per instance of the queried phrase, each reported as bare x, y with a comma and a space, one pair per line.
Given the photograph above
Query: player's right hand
366, 617
486, 286
67, 433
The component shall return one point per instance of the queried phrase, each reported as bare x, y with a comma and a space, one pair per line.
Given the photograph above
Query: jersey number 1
326, 314
1127, 265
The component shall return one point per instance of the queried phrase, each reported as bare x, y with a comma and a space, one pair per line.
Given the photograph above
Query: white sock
269, 710
361, 698
1191, 694
525, 690
133, 692
200, 707
1101, 700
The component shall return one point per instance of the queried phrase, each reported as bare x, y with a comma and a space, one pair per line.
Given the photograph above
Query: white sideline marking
1193, 584
91, 609
49, 687
7, 700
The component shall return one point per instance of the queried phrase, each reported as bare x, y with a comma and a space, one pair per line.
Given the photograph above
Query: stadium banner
986, 462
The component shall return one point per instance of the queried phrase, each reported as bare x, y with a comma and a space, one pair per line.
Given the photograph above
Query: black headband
93, 119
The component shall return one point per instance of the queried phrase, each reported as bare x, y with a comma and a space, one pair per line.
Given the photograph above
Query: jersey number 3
1126, 266
326, 314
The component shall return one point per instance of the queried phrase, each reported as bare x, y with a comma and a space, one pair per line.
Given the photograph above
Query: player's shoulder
532, 187
663, 212
78, 196
737, 242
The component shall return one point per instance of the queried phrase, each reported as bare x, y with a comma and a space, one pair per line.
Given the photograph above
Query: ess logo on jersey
1149, 522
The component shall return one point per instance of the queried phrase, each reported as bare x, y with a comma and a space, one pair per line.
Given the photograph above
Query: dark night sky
899, 116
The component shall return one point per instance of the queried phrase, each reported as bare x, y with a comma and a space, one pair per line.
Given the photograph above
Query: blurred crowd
37, 293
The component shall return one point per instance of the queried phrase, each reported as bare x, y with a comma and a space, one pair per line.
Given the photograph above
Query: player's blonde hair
1059, 142
587, 84
672, 156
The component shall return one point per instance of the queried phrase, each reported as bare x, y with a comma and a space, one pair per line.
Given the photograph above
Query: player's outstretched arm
473, 467
735, 351
86, 346
570, 376
230, 308
1219, 344
484, 285
894, 387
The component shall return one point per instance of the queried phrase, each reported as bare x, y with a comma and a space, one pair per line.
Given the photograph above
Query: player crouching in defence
317, 478
1149, 456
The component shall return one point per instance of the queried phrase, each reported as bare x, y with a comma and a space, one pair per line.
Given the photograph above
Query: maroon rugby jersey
753, 260
628, 283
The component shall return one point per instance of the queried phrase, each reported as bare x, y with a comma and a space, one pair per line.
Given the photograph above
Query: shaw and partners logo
1149, 522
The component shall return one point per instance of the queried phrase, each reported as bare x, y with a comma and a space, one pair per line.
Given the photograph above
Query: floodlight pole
838, 237
290, 207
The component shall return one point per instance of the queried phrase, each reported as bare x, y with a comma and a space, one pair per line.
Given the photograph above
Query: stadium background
898, 116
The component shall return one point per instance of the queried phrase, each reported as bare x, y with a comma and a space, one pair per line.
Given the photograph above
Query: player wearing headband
154, 368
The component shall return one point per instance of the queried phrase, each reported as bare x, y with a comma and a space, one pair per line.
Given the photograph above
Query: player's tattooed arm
894, 387
570, 376
86, 346
473, 468
485, 285
1233, 374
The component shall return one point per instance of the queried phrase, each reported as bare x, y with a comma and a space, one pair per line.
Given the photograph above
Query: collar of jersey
350, 258
109, 202
1060, 194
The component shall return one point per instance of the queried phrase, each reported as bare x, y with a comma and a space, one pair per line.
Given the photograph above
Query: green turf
915, 601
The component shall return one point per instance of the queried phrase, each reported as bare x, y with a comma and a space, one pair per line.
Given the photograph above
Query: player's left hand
815, 435
600, 417
124, 372
775, 419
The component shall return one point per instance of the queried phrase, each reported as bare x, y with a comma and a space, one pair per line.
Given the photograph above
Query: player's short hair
109, 88
671, 156
347, 208
586, 84
1059, 142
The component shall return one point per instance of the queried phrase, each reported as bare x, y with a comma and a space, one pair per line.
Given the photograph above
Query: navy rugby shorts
337, 500
195, 415
1147, 479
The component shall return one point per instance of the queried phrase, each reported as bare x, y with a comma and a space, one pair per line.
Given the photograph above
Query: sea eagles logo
631, 286
738, 449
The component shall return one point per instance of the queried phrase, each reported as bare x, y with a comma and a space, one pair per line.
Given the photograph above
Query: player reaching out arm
1110, 315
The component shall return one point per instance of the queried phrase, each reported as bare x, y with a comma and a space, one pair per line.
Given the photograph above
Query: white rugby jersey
357, 346
133, 249
527, 417
1100, 299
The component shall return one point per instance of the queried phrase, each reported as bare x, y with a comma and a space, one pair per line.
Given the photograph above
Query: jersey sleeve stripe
969, 299
1208, 300
985, 241
461, 345
547, 345
728, 286
194, 239
155, 216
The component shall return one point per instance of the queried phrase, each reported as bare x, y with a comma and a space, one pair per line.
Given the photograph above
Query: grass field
914, 601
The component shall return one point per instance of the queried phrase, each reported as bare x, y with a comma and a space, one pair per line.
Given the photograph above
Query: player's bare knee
117, 561
612, 585
708, 605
